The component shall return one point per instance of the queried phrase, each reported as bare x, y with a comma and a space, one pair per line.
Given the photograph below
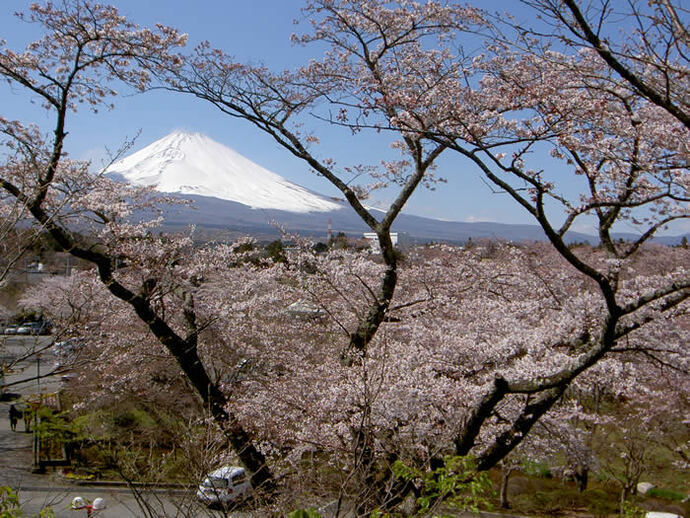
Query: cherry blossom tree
525, 113
459, 319
86, 50
630, 155
454, 352
357, 73
463, 319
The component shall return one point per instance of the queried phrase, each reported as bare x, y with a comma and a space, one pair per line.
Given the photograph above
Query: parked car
10, 330
226, 485
33, 328
24, 329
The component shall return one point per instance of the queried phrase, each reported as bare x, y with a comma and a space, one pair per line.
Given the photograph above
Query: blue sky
256, 31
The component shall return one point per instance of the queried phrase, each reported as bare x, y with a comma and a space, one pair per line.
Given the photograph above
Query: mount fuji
234, 196
194, 164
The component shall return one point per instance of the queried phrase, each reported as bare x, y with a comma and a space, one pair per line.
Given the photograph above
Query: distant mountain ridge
215, 215
232, 194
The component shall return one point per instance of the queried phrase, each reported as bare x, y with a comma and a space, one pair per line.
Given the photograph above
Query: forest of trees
497, 352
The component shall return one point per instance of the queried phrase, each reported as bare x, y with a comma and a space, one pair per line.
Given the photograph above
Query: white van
225, 485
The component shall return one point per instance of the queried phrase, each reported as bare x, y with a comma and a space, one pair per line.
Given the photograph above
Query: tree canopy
486, 346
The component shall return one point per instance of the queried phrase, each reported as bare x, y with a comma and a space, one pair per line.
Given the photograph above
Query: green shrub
10, 507
9, 502
134, 418
665, 494
276, 251
538, 502
548, 502
630, 510
457, 484
568, 498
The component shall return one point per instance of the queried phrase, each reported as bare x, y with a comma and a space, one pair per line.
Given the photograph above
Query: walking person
14, 417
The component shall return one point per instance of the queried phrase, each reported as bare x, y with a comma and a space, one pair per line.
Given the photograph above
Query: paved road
27, 357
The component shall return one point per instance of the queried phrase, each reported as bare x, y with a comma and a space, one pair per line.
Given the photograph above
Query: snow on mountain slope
192, 163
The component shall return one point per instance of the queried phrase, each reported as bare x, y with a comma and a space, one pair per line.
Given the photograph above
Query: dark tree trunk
581, 478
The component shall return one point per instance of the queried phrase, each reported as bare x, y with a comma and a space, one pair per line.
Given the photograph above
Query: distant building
35, 270
374, 240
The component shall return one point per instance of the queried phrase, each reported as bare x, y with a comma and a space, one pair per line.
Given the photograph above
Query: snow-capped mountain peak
192, 163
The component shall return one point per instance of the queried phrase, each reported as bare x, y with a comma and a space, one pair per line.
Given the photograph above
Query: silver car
228, 484
10, 330
33, 328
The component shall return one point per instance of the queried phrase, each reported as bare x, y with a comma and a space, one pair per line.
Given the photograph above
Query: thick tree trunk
480, 413
508, 440
241, 443
367, 328
581, 478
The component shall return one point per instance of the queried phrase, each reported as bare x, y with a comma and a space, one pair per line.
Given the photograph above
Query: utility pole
37, 468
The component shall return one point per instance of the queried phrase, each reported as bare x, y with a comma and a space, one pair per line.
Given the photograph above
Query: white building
374, 240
